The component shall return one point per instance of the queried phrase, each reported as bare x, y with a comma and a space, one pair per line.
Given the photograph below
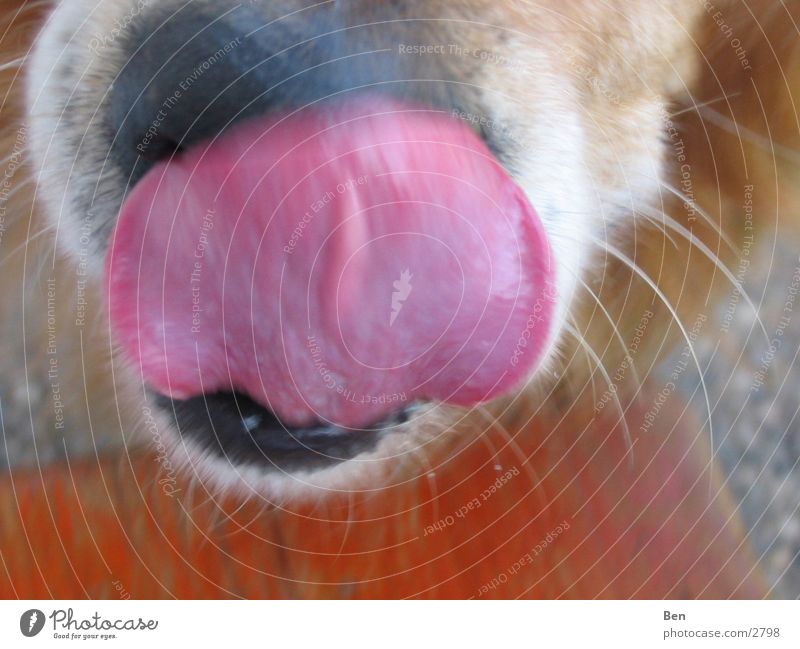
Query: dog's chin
402, 453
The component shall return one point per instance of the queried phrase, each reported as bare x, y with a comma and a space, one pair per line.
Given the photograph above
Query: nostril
234, 427
161, 147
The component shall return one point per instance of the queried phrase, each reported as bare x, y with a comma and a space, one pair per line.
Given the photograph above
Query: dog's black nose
190, 74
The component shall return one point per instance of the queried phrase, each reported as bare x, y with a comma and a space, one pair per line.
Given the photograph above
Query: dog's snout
357, 180
189, 75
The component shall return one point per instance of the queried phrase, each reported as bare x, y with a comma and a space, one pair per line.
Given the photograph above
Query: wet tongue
333, 265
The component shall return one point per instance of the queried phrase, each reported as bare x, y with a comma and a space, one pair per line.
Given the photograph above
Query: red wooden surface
657, 524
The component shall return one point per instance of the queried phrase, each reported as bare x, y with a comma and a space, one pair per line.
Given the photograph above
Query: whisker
44, 230
617, 332
659, 224
12, 64
430, 475
588, 362
347, 527
717, 228
495, 424
697, 107
649, 281
718, 263
762, 141
601, 368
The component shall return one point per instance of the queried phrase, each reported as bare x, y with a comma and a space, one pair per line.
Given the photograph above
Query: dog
306, 348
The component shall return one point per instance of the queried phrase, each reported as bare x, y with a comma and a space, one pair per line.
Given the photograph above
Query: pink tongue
333, 265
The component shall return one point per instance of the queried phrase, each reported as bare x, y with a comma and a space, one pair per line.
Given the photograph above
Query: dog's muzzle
303, 256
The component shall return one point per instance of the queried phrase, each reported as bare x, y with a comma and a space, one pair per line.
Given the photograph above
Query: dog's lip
235, 427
